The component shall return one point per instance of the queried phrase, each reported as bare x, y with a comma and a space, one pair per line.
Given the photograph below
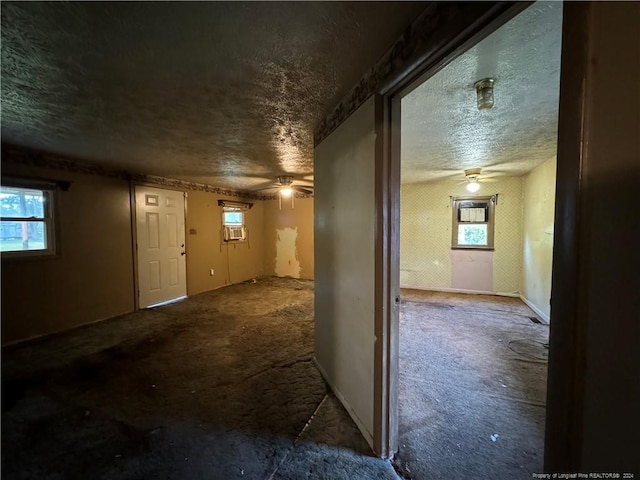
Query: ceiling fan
284, 186
473, 177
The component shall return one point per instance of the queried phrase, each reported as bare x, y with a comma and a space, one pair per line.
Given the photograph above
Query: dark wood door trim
567, 335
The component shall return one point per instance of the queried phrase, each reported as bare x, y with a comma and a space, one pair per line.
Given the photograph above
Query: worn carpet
472, 387
222, 386
219, 386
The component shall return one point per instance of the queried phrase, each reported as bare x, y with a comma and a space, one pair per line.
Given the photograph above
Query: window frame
490, 202
226, 227
49, 218
232, 210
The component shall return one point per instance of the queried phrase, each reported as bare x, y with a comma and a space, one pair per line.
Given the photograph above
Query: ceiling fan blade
304, 183
270, 187
305, 190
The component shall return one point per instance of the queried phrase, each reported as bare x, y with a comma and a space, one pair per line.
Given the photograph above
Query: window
26, 221
233, 224
473, 222
232, 217
233, 229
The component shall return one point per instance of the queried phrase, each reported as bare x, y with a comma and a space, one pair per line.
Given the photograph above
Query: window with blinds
472, 222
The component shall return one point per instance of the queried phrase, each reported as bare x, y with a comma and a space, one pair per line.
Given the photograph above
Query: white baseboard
460, 290
368, 436
538, 312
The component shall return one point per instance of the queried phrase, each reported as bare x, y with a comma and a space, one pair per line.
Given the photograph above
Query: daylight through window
473, 222
232, 217
233, 228
26, 226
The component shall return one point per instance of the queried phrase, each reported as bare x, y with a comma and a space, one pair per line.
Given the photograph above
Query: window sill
28, 257
475, 247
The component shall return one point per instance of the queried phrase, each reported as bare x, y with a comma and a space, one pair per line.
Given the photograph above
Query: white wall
426, 258
345, 219
537, 249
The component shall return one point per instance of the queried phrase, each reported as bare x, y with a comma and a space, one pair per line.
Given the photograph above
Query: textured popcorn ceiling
216, 92
443, 132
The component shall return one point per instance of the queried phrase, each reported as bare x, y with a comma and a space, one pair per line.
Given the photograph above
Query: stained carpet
219, 386
472, 387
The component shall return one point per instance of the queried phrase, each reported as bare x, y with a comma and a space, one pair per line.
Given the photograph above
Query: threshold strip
284, 459
295, 442
167, 302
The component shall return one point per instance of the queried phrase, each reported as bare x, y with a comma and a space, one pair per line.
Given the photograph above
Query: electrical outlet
211, 272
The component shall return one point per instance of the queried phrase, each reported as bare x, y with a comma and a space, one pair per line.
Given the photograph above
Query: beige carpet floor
472, 387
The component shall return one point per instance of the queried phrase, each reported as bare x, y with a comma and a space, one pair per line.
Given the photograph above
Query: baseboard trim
42, 336
460, 290
368, 436
538, 312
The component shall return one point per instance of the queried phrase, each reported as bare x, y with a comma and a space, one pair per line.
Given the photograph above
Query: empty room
163, 152
220, 260
479, 145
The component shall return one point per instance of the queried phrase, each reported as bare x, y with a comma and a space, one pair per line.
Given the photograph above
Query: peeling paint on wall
287, 263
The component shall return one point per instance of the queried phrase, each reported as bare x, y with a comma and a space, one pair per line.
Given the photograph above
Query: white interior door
160, 245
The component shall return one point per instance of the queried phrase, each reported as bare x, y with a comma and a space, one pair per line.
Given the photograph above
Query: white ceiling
443, 132
222, 93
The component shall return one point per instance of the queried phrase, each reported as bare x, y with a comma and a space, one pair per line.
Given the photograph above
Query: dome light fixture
286, 191
473, 186
472, 175
484, 90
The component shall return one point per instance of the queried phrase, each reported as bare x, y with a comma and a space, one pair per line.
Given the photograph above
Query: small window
26, 221
233, 225
232, 217
473, 222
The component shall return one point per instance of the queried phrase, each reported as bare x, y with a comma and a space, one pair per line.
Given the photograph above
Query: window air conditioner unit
234, 233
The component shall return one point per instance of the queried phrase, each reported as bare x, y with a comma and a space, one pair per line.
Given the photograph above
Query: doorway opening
478, 160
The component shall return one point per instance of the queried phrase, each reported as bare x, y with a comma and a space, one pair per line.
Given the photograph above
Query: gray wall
345, 220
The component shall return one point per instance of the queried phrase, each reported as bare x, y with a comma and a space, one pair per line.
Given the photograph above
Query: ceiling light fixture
472, 179
473, 186
285, 190
484, 90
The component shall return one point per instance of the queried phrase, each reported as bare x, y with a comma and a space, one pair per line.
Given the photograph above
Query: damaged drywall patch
287, 263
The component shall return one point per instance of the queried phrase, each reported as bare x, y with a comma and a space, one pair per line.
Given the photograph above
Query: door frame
567, 340
134, 234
